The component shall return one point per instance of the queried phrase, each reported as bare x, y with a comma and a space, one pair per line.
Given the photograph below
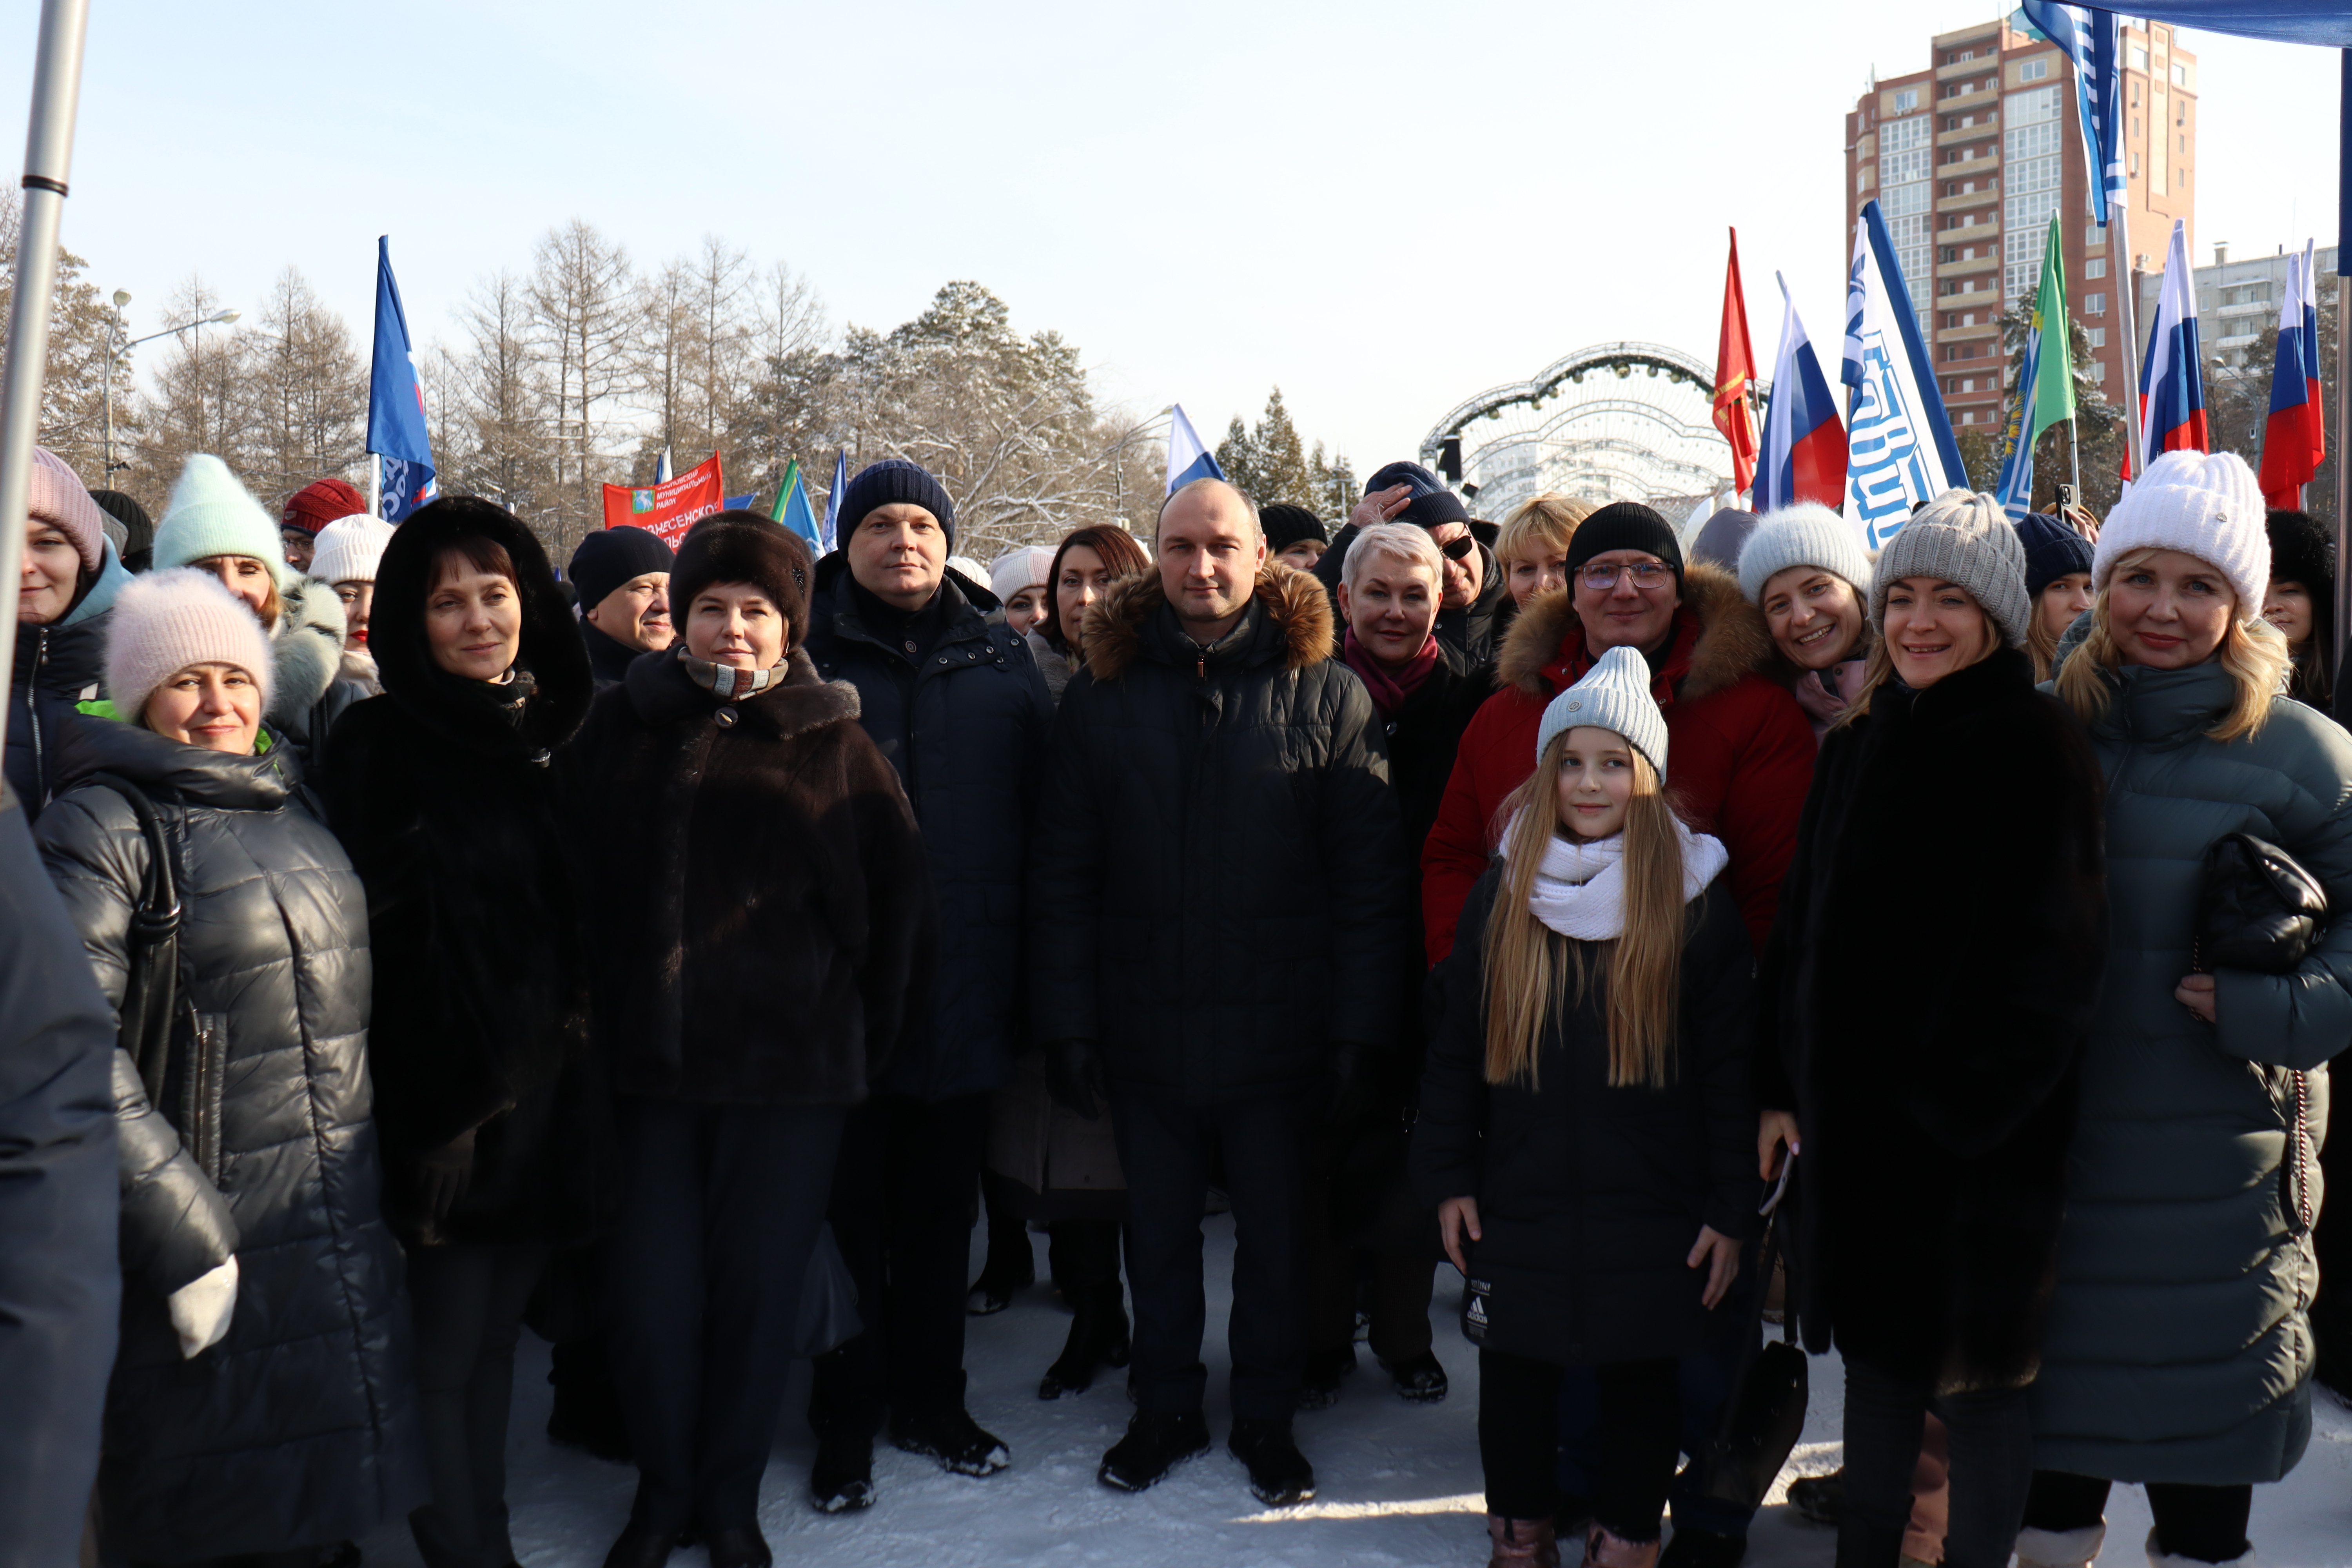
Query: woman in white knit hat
1018, 581
345, 559
213, 524
1585, 1114
2178, 1352
1805, 568
1925, 999
261, 1399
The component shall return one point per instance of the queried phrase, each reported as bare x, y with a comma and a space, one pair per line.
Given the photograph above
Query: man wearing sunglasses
1476, 608
1743, 751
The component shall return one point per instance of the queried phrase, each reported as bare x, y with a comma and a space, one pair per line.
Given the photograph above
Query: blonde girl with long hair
1585, 1117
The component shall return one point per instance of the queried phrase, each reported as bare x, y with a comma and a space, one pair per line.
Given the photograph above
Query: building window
2094, 304
2035, 70
2099, 371
2096, 268
2098, 336
2138, 58
2094, 236
2135, 163
2135, 103
1906, 101
2180, 75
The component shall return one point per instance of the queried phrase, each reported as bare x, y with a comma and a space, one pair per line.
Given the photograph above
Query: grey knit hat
1960, 538
1805, 534
1614, 695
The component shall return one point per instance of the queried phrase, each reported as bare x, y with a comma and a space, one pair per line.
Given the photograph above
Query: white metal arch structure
1626, 421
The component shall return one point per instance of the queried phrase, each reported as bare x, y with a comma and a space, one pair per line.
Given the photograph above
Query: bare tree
663, 356
580, 297
309, 392
82, 328
500, 411
202, 401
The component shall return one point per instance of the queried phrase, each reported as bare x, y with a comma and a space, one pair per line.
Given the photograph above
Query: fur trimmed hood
1732, 641
1295, 602
307, 648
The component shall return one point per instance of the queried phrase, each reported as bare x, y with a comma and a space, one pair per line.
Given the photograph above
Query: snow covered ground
1398, 1483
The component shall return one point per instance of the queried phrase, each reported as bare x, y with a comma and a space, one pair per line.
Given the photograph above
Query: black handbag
151, 953
1766, 1413
2257, 909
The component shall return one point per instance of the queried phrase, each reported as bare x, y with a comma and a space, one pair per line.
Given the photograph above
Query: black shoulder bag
2259, 910
151, 954
1766, 1413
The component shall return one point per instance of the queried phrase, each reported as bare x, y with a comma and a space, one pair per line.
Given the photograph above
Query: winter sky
1382, 207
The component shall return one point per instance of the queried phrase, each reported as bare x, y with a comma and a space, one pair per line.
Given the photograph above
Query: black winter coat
1473, 633
1422, 739
56, 667
1223, 892
1591, 1197
443, 791
766, 922
297, 1429
608, 658
1926, 994
966, 731
60, 1283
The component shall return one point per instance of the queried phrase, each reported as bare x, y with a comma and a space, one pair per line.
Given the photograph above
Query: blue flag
827, 539
2091, 40
396, 401
742, 503
1900, 450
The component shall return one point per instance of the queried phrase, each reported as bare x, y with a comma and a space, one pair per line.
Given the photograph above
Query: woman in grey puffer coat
2178, 1352
260, 1400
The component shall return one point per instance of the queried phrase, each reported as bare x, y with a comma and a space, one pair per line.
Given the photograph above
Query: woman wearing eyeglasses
1743, 749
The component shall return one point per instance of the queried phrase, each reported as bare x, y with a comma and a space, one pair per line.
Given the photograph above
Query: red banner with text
670, 508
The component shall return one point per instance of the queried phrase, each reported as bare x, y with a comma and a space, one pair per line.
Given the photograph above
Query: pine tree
1270, 464
82, 328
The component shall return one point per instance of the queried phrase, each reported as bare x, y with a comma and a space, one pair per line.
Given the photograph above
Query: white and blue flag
1899, 446
2091, 40
1187, 458
828, 531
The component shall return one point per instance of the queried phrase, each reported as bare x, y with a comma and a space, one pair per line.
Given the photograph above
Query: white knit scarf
1580, 888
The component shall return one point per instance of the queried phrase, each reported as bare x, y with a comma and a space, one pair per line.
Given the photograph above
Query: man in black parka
1218, 930
959, 708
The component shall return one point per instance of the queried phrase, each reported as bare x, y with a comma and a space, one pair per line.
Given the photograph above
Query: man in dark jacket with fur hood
1218, 927
959, 708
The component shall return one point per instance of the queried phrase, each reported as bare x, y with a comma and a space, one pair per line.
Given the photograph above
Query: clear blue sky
1382, 207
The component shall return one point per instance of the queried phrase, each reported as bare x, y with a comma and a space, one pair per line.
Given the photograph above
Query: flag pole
49, 159
375, 484
2136, 442
2343, 350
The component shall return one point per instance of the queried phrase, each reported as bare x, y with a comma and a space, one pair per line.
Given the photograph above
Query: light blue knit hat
212, 513
1614, 695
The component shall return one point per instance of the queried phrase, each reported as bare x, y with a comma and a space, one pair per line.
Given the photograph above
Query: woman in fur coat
1925, 998
443, 791
770, 932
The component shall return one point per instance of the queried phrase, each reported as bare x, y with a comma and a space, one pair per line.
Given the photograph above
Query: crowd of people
682, 952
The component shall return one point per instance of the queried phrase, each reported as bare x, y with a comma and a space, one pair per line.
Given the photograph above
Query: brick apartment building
1969, 158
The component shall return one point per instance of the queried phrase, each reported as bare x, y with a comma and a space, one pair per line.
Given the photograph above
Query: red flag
671, 507
1734, 372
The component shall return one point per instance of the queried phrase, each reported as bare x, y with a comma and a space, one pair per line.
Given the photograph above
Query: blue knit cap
1432, 503
895, 479
2052, 551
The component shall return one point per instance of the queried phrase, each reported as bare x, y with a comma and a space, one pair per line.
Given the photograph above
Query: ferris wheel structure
1622, 421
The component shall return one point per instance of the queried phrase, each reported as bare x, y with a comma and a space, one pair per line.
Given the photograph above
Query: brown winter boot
1603, 1550
1522, 1543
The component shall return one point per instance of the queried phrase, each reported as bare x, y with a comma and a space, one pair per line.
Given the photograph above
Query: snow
1398, 1483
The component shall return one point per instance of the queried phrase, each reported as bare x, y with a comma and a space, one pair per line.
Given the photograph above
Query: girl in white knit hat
261, 1401
2179, 1349
1585, 1116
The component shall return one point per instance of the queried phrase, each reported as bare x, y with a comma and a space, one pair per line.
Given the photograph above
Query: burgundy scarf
1389, 691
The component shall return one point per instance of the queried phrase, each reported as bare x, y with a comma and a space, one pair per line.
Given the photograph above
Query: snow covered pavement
1398, 1483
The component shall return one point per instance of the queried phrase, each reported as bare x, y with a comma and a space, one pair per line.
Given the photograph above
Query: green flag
785, 490
2053, 369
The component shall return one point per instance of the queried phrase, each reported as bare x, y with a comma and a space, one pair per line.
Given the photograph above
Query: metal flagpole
2128, 271
48, 160
2343, 352
375, 484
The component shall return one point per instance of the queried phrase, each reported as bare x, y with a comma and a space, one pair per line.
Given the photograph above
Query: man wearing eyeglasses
1743, 751
1476, 608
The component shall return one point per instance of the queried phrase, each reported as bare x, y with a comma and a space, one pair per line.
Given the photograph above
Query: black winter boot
1279, 1474
1703, 1548
1099, 1337
1420, 1379
842, 1479
953, 1438
1154, 1445
1010, 1269
1320, 1379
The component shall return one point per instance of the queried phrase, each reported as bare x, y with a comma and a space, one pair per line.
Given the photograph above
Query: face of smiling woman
1933, 629
1815, 617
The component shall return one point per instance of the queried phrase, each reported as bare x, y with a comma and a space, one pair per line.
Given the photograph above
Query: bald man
1218, 933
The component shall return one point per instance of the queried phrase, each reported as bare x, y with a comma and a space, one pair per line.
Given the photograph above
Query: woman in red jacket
1743, 749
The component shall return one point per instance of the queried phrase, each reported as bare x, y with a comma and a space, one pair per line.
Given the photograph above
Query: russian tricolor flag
2294, 441
1804, 441
1187, 458
2172, 383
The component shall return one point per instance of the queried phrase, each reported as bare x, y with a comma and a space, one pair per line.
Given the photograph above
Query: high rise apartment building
1968, 160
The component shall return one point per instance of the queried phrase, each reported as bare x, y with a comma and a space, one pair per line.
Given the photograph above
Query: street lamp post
122, 297
1118, 466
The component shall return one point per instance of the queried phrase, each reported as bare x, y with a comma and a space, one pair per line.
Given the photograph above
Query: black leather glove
1356, 1084
446, 1173
1074, 1077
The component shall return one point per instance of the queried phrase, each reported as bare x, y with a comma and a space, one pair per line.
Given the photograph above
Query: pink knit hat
165, 621
57, 497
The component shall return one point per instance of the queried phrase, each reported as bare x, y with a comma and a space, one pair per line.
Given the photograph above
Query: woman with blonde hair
1926, 994
1584, 1117
2179, 1352
1532, 548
